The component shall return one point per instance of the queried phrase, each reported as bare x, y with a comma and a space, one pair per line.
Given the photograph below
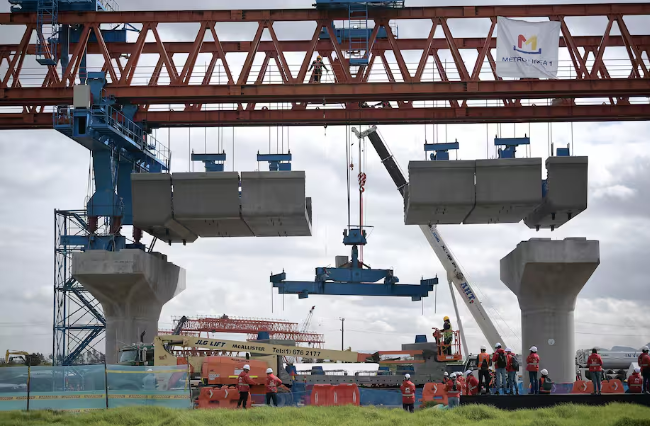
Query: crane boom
432, 234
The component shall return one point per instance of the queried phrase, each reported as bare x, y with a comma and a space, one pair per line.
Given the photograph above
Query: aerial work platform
479, 191
565, 194
181, 207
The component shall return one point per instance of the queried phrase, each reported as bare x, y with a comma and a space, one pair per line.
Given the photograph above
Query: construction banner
527, 49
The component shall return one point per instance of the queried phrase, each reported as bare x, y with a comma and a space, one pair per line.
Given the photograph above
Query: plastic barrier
434, 392
583, 386
159, 386
320, 395
225, 397
13, 388
612, 386
345, 394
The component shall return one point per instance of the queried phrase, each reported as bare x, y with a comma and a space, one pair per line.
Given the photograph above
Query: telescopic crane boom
454, 273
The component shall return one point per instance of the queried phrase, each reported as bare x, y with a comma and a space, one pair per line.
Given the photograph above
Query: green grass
565, 415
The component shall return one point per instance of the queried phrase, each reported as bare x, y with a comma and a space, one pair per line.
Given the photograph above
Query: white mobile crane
455, 275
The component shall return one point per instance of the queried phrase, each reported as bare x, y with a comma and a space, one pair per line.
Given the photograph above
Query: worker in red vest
453, 392
483, 362
272, 383
471, 386
445, 378
532, 366
644, 365
512, 368
635, 382
408, 394
595, 364
461, 381
244, 383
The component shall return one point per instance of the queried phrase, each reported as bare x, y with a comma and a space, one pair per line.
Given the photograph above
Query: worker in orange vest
408, 394
595, 364
644, 365
445, 378
471, 386
483, 362
453, 392
635, 382
532, 366
244, 383
545, 383
461, 381
272, 383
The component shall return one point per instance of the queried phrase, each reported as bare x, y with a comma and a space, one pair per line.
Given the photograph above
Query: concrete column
132, 287
546, 276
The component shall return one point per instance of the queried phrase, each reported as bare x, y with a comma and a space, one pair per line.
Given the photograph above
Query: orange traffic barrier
345, 394
612, 386
434, 392
320, 395
223, 397
582, 386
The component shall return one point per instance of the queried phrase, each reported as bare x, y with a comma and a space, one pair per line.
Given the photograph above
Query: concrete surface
152, 208
208, 204
566, 197
546, 276
506, 190
132, 287
273, 203
439, 192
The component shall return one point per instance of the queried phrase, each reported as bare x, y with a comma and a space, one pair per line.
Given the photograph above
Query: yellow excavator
11, 355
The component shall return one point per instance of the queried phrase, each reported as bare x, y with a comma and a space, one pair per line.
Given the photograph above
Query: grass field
566, 415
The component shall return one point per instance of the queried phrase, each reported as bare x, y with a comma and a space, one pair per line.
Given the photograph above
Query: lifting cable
348, 164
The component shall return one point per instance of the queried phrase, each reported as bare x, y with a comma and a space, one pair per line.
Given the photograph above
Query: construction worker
383, 104
644, 365
445, 378
447, 335
272, 383
512, 368
453, 391
408, 394
500, 361
244, 383
461, 381
318, 67
635, 382
545, 383
595, 363
471, 386
532, 366
483, 363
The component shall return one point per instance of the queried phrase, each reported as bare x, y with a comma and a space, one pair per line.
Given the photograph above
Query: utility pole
342, 331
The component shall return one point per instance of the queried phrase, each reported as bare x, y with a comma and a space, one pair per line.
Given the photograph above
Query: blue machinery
353, 278
357, 33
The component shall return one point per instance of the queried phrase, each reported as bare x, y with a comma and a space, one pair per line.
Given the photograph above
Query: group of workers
244, 383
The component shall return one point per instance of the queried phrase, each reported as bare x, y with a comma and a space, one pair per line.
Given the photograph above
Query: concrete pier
132, 287
546, 276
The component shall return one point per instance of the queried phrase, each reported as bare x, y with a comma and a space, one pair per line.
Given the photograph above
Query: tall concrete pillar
132, 287
546, 276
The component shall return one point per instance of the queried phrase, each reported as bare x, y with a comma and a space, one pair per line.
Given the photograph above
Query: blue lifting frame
440, 151
510, 145
212, 162
277, 162
353, 278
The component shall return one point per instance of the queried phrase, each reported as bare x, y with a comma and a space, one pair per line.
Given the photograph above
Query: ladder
358, 34
47, 30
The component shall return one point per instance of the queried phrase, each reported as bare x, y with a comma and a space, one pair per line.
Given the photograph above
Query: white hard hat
544, 372
460, 373
645, 349
483, 348
407, 376
453, 375
533, 348
508, 350
269, 370
637, 369
468, 372
247, 367
497, 345
446, 374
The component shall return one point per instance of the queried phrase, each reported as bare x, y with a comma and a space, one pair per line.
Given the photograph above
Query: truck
617, 362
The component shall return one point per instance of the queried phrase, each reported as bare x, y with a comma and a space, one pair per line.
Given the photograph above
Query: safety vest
635, 383
448, 333
317, 65
545, 385
533, 362
408, 392
595, 363
483, 356
644, 361
453, 390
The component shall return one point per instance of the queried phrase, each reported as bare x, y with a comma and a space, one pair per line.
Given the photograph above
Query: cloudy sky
41, 170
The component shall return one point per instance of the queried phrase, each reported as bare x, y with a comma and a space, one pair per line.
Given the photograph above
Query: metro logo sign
522, 42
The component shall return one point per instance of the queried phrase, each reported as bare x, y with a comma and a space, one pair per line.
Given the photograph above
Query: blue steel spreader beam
353, 278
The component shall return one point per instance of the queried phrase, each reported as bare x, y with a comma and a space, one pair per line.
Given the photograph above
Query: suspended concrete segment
546, 276
132, 287
472, 192
152, 208
273, 203
506, 190
565, 195
439, 192
181, 207
208, 204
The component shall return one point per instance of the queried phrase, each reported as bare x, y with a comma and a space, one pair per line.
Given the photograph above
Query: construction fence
92, 387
